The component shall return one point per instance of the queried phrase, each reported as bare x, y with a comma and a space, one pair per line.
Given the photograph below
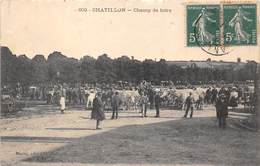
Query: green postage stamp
203, 25
240, 24
221, 25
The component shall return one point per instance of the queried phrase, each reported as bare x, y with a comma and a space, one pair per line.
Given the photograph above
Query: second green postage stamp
240, 24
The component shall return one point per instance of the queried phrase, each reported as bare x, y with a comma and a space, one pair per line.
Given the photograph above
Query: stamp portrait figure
200, 23
237, 23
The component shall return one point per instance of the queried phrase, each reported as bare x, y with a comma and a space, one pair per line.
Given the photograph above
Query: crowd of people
142, 97
221, 99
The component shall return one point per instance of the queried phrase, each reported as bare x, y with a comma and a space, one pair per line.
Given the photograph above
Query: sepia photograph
130, 83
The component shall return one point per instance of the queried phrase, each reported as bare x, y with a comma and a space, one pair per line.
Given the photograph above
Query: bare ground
40, 135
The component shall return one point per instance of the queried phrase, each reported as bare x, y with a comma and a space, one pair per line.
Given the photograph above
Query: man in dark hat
214, 94
189, 103
115, 104
208, 95
222, 110
97, 111
144, 103
157, 101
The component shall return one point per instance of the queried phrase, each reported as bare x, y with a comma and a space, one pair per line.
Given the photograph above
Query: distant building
209, 64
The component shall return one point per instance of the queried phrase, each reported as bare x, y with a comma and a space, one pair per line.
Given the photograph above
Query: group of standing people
144, 104
220, 98
98, 107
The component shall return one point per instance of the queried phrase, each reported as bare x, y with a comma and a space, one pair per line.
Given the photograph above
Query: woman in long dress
97, 111
62, 100
237, 23
200, 24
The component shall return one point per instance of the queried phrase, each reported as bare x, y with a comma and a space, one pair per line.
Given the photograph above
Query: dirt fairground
40, 135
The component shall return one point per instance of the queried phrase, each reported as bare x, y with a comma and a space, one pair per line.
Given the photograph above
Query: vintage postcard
130, 82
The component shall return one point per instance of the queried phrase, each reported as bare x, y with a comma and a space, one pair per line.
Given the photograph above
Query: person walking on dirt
189, 103
97, 111
157, 101
80, 97
214, 95
151, 95
222, 110
208, 95
144, 103
115, 103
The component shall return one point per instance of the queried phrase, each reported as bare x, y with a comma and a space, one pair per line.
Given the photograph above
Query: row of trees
58, 67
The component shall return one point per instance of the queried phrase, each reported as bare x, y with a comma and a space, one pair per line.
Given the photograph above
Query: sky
33, 27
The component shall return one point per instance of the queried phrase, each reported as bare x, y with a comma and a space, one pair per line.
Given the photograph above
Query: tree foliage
59, 68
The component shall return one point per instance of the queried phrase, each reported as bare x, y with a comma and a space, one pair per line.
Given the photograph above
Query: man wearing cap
189, 103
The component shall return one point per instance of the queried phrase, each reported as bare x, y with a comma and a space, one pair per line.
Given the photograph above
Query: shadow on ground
62, 128
185, 141
33, 139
